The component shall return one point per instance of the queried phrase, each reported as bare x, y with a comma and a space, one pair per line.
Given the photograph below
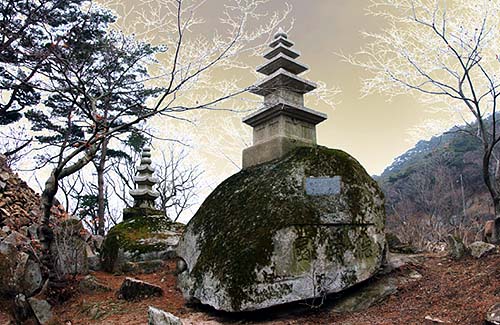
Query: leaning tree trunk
45, 231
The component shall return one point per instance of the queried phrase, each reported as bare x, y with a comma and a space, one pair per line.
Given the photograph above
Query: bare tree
15, 142
446, 51
177, 183
428, 204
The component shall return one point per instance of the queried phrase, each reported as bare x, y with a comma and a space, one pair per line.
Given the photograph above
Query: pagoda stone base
140, 242
272, 149
130, 213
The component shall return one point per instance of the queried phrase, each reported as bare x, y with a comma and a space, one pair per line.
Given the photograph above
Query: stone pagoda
146, 236
144, 195
283, 123
302, 222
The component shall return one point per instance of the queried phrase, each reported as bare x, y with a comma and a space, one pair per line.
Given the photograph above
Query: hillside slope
439, 184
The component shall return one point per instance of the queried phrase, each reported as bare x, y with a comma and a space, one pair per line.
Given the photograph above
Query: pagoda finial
144, 195
280, 33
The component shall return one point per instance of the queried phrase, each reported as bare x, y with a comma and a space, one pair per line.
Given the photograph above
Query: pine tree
28, 30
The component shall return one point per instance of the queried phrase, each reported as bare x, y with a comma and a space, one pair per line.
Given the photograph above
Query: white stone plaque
318, 186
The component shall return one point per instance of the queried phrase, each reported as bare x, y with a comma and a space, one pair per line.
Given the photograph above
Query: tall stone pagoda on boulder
284, 122
299, 221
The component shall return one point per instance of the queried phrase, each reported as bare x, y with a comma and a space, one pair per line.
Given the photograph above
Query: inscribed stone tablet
316, 186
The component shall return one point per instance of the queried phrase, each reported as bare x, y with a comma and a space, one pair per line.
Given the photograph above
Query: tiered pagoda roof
283, 89
144, 195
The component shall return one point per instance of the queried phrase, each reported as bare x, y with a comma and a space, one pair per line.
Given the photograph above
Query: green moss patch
134, 236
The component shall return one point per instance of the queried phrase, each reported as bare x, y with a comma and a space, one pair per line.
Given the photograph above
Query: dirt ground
450, 291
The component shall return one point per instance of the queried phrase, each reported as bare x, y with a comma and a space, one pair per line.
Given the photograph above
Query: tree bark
495, 196
101, 197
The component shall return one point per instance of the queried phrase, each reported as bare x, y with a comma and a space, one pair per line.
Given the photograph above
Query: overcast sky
371, 129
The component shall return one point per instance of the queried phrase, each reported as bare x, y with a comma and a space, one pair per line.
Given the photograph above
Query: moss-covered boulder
141, 238
304, 226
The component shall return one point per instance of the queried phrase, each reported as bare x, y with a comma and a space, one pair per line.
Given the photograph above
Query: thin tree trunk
101, 197
495, 196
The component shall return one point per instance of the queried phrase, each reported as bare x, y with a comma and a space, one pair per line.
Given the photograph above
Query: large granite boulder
300, 227
145, 236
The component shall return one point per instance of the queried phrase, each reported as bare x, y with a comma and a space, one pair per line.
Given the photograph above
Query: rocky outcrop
21, 272
20, 205
141, 241
304, 226
159, 317
133, 289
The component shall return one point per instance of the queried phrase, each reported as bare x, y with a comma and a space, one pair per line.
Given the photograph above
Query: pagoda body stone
283, 123
303, 222
146, 236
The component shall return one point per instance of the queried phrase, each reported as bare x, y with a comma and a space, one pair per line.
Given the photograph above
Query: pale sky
372, 129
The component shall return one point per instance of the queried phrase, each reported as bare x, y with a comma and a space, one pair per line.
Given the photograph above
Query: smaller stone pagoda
284, 123
144, 195
146, 236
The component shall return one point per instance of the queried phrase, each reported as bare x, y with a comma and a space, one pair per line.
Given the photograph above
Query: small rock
133, 289
148, 267
160, 317
16, 239
397, 246
22, 260
97, 241
4, 176
414, 275
24, 231
32, 231
41, 308
90, 284
2, 185
493, 315
456, 247
479, 249
94, 263
396, 261
434, 320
